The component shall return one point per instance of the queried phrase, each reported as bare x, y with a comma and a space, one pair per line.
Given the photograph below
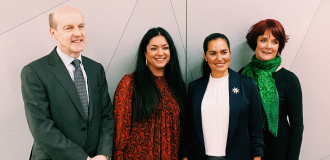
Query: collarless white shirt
67, 60
215, 116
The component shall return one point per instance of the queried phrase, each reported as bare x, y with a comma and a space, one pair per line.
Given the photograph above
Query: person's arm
122, 104
42, 127
293, 104
255, 123
185, 146
107, 122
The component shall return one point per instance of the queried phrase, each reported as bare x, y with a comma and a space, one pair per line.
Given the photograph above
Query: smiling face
267, 46
157, 54
70, 31
218, 57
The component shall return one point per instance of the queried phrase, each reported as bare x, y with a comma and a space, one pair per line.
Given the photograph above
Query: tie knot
76, 62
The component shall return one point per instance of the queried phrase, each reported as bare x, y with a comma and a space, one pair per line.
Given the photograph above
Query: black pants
216, 158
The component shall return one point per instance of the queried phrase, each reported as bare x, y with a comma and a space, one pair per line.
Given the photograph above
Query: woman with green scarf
279, 90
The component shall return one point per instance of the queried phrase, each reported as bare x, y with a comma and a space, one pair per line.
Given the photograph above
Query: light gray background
115, 28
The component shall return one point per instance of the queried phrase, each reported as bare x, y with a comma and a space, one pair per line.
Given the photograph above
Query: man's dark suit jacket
245, 135
55, 115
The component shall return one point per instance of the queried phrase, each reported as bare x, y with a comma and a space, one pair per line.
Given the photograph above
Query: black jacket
55, 115
245, 135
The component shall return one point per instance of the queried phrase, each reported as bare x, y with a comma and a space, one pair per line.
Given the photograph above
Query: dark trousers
216, 158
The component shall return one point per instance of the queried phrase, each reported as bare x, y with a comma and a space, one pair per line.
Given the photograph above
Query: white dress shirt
215, 116
67, 60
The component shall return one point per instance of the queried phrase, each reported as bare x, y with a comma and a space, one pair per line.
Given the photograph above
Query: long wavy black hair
205, 68
146, 94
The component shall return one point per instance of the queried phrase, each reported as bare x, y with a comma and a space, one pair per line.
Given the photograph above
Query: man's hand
257, 158
99, 157
185, 158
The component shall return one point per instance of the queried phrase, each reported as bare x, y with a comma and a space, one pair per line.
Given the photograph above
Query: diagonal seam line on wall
122, 35
187, 64
306, 34
33, 18
325, 157
181, 37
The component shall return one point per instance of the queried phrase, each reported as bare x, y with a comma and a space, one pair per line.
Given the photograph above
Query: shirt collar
65, 58
219, 80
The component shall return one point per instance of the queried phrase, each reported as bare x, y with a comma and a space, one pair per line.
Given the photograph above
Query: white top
215, 116
67, 60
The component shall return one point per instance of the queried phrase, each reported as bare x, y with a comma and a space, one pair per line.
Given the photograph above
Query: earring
146, 62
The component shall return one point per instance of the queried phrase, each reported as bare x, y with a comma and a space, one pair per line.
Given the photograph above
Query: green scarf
261, 72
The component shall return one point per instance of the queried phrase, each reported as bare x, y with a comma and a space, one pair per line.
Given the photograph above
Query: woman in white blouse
223, 110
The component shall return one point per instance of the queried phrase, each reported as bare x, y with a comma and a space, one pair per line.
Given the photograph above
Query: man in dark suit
66, 99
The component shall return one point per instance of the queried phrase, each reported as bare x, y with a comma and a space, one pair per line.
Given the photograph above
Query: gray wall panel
105, 21
16, 12
312, 67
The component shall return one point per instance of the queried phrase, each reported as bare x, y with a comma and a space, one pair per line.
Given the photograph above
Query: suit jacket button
83, 129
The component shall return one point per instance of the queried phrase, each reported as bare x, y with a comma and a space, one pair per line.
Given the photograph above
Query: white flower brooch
235, 90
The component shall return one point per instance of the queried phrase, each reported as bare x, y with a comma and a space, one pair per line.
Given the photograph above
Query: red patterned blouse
154, 139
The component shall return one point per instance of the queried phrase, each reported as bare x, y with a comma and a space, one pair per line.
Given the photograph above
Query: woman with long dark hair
149, 103
223, 110
279, 89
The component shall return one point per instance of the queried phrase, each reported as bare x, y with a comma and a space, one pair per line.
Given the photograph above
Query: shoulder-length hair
146, 93
206, 70
258, 29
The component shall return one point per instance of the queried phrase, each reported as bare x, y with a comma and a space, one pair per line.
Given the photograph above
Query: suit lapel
197, 104
90, 83
62, 75
234, 103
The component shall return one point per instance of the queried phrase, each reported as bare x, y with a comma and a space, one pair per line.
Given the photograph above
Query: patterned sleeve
122, 115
